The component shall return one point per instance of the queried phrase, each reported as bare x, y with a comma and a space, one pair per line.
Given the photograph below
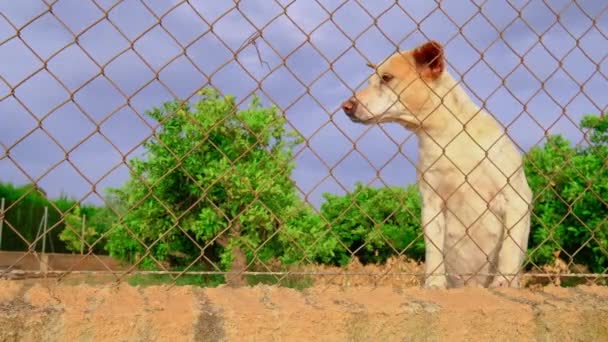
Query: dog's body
475, 197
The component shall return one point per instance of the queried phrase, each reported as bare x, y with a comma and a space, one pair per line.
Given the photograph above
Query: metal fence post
83, 232
1, 220
44, 261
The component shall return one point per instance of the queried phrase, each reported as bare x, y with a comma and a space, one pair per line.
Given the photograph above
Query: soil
50, 311
355, 303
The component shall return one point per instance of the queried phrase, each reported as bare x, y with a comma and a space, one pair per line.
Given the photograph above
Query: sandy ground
51, 311
359, 303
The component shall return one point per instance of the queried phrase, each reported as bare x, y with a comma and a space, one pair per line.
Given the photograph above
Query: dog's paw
436, 282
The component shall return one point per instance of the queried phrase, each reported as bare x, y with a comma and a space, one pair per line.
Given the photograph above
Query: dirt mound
397, 271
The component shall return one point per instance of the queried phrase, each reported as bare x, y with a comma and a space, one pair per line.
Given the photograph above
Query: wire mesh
84, 100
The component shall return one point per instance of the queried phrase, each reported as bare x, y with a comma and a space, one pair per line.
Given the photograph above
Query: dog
476, 201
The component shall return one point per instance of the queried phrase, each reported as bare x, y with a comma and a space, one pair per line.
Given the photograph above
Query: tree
215, 182
73, 234
97, 221
24, 212
570, 186
374, 223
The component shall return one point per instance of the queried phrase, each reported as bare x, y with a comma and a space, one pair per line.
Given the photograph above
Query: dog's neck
448, 114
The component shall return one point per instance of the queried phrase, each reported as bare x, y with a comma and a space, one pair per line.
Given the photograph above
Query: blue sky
532, 72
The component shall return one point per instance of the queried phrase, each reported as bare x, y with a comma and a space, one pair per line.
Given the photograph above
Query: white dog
475, 198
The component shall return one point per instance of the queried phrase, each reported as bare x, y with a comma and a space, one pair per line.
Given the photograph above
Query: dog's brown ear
429, 59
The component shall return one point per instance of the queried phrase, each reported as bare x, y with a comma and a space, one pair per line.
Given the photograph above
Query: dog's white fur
475, 197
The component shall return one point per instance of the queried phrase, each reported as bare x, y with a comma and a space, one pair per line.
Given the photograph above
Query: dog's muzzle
350, 108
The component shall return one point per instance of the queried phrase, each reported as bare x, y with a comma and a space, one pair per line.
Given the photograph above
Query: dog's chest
442, 180
447, 181
462, 167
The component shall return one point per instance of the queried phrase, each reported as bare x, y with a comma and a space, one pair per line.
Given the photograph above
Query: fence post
82, 229
1, 220
44, 260
44, 225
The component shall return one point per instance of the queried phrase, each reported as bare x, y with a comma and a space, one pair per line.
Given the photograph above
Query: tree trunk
239, 264
239, 259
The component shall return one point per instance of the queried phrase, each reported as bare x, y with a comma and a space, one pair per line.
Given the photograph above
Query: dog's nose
350, 106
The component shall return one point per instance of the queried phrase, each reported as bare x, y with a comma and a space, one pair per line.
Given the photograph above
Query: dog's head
400, 87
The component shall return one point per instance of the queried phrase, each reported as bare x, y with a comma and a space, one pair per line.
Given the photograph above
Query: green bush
97, 221
24, 211
374, 224
570, 186
213, 177
24, 207
219, 178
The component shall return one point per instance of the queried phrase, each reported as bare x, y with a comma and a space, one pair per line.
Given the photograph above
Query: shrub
570, 186
374, 223
215, 181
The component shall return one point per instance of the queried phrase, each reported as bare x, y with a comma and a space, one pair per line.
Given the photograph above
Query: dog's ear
429, 59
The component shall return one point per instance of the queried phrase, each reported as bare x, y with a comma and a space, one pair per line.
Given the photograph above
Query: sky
76, 77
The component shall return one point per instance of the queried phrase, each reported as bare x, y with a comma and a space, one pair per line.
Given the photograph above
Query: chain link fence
203, 142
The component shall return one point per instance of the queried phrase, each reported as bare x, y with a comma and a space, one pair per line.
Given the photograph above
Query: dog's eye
386, 78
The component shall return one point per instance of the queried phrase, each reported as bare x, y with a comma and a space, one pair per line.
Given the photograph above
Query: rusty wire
263, 48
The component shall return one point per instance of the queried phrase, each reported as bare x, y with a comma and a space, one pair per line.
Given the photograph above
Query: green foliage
206, 280
216, 180
74, 234
97, 221
570, 186
24, 211
375, 223
213, 176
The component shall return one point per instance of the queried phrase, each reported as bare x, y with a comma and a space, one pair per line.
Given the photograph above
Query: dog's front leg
433, 225
513, 251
